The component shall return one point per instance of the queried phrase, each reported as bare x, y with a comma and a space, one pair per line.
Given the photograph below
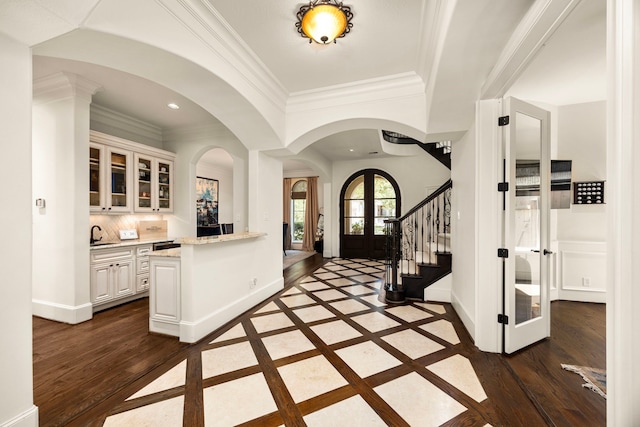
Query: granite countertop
168, 253
124, 243
219, 239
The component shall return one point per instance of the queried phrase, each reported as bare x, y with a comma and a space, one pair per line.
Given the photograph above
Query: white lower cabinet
118, 275
164, 295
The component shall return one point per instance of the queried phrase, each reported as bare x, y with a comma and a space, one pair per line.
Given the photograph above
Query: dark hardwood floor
577, 338
81, 372
76, 367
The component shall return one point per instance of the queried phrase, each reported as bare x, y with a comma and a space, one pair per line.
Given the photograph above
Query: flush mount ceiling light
173, 106
323, 21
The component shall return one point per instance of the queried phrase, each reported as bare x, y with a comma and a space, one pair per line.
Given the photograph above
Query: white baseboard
164, 327
191, 332
28, 418
439, 291
62, 313
468, 322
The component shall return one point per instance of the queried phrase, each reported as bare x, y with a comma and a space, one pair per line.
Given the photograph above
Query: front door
526, 225
366, 200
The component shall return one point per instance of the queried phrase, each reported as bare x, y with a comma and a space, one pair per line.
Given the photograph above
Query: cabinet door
97, 188
100, 283
118, 180
144, 179
165, 185
123, 283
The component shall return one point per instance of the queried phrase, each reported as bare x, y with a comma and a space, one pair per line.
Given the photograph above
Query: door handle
546, 252
536, 250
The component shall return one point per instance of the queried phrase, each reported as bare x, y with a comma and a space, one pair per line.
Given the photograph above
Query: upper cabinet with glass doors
109, 179
154, 184
126, 177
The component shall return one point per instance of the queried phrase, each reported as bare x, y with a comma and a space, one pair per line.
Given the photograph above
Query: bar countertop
219, 239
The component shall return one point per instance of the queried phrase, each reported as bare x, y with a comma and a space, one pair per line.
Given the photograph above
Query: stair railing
417, 236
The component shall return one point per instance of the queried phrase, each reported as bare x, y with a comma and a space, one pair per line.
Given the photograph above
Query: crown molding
371, 90
205, 23
103, 118
194, 133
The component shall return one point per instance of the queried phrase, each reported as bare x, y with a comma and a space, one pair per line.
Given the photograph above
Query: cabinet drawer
142, 265
108, 255
142, 283
143, 250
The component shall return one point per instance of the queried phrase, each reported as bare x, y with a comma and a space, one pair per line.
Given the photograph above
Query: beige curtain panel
310, 215
286, 210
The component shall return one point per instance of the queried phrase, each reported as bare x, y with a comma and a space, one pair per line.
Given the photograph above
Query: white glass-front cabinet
154, 184
109, 179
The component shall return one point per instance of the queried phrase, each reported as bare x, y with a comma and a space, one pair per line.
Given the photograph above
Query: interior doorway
367, 199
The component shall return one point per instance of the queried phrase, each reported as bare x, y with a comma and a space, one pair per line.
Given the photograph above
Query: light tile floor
325, 352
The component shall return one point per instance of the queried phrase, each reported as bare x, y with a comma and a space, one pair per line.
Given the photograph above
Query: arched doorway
214, 193
367, 198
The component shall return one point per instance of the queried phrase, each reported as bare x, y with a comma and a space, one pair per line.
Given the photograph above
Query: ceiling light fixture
323, 21
173, 106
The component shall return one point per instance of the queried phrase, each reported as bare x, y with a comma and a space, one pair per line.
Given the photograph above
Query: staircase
418, 251
440, 150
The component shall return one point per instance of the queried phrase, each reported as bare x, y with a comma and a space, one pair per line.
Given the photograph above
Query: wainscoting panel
582, 271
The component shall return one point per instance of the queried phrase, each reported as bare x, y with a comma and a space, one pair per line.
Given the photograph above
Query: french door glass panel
384, 203
354, 207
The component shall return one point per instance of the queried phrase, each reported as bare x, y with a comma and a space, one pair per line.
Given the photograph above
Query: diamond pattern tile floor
324, 352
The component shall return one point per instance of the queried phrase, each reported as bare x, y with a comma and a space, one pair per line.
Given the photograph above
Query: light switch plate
128, 234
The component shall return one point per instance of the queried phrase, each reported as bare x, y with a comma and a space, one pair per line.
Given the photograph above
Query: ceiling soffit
539, 24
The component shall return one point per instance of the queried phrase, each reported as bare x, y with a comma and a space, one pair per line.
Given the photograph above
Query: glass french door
368, 198
526, 225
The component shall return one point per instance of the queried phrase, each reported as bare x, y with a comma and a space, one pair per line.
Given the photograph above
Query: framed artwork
206, 201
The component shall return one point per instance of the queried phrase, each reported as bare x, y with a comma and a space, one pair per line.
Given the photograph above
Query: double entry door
367, 199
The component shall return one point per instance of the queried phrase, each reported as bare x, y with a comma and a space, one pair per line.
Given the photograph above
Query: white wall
16, 372
463, 228
582, 138
581, 230
416, 176
61, 177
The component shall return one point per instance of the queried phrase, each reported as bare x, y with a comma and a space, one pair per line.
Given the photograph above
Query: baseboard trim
28, 418
467, 321
62, 313
191, 332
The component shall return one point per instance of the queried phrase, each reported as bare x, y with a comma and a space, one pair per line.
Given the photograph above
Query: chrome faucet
92, 240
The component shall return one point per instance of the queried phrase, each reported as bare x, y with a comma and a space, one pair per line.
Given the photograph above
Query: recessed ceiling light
351, 150
173, 106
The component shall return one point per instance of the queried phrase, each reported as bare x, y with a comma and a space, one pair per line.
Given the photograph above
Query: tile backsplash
112, 224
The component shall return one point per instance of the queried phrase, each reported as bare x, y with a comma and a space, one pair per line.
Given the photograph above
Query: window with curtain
298, 208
